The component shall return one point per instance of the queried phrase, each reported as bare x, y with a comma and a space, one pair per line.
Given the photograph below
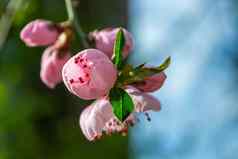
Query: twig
72, 17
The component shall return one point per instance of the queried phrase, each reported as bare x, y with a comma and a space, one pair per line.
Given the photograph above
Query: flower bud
52, 62
39, 33
89, 74
104, 41
152, 83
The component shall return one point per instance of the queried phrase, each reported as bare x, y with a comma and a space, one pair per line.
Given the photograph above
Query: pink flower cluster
90, 74
98, 118
46, 33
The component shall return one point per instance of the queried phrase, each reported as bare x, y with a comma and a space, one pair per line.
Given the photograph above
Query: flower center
84, 76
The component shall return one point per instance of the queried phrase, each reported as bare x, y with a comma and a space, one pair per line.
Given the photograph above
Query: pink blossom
152, 83
94, 119
52, 62
39, 33
104, 41
89, 74
143, 102
98, 118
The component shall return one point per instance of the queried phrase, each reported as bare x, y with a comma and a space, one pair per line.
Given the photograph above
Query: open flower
152, 83
94, 120
98, 118
89, 74
52, 62
143, 102
104, 41
39, 33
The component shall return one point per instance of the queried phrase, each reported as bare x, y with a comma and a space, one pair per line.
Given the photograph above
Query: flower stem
70, 10
72, 18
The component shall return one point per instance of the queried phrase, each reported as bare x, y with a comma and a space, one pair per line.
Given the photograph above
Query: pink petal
143, 101
152, 83
105, 38
51, 66
39, 33
94, 118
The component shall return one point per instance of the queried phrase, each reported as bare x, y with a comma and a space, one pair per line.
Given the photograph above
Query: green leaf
143, 72
121, 102
163, 66
118, 47
129, 75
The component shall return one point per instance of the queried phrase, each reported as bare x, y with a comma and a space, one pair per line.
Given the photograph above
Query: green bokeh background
36, 122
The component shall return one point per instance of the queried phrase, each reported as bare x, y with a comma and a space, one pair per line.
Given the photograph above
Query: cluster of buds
120, 91
56, 37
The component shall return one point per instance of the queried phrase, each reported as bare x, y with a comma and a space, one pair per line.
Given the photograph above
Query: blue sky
199, 117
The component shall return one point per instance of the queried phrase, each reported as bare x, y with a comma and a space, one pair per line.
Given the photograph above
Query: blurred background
199, 117
36, 122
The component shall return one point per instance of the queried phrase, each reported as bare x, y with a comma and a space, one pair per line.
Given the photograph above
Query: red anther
76, 60
97, 137
71, 81
81, 80
131, 124
109, 132
124, 131
147, 117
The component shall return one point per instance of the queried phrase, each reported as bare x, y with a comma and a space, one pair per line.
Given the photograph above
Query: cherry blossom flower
90, 74
104, 41
52, 62
39, 33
